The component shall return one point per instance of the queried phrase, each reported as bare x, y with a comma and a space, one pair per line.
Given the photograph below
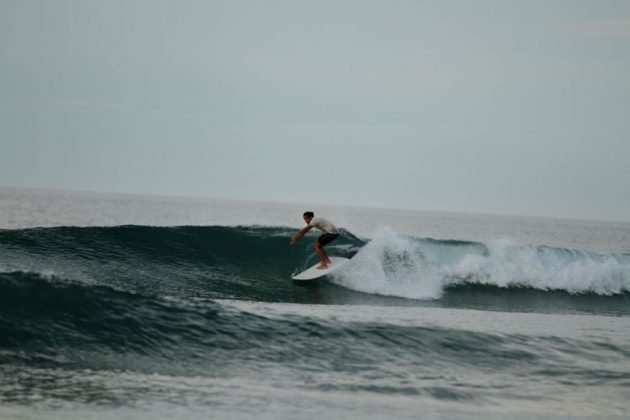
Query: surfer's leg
322, 256
324, 239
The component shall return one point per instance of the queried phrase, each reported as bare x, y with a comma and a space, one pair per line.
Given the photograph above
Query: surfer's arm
301, 233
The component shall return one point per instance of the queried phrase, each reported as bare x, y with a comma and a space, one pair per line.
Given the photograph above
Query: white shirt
323, 225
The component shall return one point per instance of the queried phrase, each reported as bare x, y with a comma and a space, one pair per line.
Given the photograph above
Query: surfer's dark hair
309, 214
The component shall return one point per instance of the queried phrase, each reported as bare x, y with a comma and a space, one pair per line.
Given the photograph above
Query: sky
500, 107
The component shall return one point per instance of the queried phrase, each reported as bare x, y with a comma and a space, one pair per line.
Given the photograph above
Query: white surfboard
313, 272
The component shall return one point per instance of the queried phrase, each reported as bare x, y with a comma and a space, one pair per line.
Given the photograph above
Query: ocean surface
116, 306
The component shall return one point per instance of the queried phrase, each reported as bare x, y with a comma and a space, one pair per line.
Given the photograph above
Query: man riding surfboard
330, 234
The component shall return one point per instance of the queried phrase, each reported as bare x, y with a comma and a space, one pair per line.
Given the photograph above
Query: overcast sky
509, 107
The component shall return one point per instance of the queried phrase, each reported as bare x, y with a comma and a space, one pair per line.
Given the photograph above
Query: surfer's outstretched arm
301, 233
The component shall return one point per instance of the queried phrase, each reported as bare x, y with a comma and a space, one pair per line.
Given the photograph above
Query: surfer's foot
322, 267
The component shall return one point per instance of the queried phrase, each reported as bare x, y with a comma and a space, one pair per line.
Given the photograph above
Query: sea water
119, 306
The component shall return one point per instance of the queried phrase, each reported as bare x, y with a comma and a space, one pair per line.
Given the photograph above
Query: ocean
117, 306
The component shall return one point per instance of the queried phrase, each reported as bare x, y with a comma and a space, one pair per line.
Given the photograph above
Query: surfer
329, 235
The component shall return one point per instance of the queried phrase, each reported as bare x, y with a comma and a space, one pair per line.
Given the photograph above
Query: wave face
256, 263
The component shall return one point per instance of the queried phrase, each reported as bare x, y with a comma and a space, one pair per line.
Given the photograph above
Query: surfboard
313, 272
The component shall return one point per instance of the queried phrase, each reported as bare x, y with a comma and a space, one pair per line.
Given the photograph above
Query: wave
398, 265
256, 263
251, 263
46, 324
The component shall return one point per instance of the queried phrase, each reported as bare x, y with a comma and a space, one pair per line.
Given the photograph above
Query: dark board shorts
327, 238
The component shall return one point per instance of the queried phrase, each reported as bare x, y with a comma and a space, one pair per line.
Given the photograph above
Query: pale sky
503, 107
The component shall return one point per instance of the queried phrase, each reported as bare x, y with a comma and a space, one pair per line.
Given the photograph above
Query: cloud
606, 28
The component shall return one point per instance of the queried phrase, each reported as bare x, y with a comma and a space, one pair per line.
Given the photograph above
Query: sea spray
392, 265
509, 264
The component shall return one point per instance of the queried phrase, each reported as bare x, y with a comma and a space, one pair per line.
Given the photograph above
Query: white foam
512, 264
392, 265
590, 327
397, 265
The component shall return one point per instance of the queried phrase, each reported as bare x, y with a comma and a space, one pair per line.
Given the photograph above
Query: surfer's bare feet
322, 267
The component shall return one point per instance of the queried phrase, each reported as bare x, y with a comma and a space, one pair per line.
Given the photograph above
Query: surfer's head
308, 215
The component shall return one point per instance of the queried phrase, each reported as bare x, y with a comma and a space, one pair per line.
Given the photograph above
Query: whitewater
114, 305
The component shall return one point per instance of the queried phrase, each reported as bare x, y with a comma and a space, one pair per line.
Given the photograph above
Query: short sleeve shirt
323, 225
